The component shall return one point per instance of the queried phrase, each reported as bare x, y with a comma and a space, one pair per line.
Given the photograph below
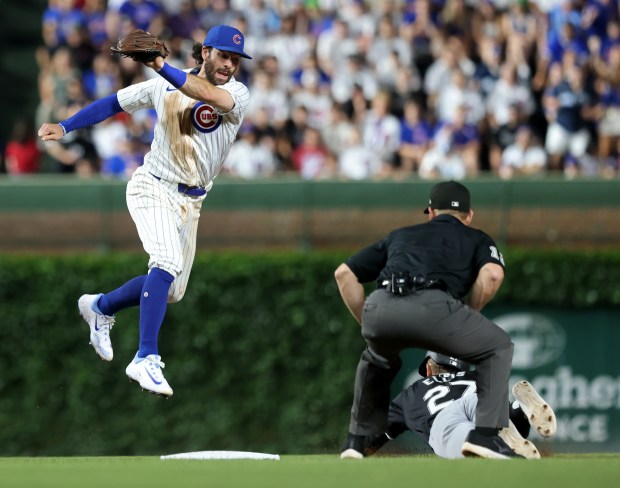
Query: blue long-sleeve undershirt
92, 114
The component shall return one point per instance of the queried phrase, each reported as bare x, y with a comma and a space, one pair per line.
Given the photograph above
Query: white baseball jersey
191, 142
192, 138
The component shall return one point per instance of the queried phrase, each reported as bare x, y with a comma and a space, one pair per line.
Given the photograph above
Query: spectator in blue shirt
309, 66
565, 12
595, 15
455, 150
415, 136
488, 67
59, 20
569, 106
569, 39
144, 14
94, 12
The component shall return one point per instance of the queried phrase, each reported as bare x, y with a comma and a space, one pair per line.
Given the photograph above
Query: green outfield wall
261, 354
68, 214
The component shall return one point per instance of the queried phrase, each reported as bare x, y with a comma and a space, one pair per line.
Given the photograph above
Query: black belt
192, 191
428, 285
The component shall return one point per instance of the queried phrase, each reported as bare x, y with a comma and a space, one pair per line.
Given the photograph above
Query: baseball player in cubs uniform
441, 408
199, 112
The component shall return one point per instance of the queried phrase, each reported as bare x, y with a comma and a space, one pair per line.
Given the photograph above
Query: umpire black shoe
487, 446
353, 447
360, 446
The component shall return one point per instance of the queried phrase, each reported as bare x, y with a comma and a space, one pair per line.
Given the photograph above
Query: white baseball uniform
191, 142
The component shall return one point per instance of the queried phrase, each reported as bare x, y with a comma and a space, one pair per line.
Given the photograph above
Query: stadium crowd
354, 89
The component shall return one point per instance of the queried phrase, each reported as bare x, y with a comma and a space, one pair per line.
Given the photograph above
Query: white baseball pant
452, 425
167, 223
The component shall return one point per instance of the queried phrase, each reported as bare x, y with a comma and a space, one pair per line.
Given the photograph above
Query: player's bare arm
217, 69
199, 88
486, 285
351, 290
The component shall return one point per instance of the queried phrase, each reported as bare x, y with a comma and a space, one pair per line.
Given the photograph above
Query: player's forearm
92, 114
486, 285
195, 87
351, 291
201, 89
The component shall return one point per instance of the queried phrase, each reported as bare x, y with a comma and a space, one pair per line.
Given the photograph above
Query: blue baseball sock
126, 296
153, 304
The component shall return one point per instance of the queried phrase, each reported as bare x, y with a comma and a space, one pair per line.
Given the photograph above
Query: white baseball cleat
517, 443
148, 373
100, 326
538, 412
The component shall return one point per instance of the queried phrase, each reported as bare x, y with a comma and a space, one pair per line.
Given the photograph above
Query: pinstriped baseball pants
167, 223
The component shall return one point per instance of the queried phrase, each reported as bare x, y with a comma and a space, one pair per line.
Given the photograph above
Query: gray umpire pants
430, 320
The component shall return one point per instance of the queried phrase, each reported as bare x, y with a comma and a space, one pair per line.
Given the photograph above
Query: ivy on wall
261, 352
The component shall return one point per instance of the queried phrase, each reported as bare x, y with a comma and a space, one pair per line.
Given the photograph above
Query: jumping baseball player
199, 112
441, 408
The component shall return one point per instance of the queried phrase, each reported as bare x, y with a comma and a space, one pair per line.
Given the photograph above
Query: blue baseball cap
226, 38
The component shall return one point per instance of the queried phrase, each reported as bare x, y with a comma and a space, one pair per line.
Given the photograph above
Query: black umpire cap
449, 195
442, 360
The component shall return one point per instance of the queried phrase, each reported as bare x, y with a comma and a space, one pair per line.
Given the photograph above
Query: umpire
423, 272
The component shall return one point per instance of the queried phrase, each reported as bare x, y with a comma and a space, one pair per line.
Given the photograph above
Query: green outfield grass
561, 471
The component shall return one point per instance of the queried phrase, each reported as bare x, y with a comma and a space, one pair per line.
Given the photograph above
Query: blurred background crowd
352, 89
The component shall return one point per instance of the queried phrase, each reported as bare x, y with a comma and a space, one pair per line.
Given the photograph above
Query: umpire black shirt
441, 249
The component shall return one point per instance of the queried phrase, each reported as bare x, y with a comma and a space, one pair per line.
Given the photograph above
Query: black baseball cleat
487, 446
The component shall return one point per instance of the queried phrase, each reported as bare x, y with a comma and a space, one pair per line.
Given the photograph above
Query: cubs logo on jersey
205, 118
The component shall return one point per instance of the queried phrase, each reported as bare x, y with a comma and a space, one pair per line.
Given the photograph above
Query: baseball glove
141, 46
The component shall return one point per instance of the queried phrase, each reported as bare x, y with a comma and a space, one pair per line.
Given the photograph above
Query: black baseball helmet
442, 360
